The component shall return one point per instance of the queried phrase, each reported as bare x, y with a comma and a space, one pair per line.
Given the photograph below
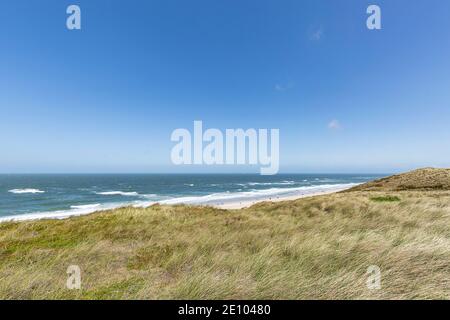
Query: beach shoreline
228, 204
236, 205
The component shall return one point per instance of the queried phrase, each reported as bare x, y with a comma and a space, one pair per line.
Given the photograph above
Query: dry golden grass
312, 248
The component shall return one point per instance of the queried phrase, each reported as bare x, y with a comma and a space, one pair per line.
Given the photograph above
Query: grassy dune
311, 248
425, 179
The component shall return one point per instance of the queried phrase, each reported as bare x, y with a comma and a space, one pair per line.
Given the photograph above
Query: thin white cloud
334, 125
283, 87
316, 34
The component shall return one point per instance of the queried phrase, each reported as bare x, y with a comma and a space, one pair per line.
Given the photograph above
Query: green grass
312, 248
385, 199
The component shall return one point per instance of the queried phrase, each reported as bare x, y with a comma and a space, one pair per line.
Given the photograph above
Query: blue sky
106, 98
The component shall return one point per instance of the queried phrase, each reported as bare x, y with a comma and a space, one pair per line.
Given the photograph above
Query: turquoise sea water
58, 195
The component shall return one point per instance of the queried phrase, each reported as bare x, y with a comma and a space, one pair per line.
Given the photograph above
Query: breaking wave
22, 191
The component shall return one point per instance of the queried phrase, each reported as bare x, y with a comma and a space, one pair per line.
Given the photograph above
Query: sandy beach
248, 203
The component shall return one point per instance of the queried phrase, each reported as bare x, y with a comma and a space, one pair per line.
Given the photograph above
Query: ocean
34, 196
